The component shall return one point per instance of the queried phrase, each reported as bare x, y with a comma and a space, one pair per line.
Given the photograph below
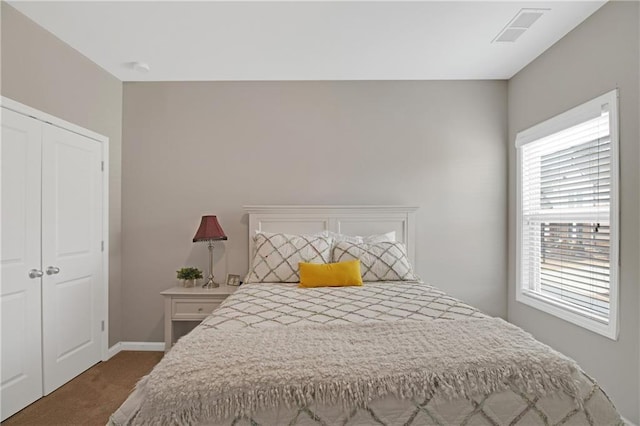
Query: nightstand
190, 304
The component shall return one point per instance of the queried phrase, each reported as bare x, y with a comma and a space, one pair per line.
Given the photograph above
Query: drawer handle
199, 309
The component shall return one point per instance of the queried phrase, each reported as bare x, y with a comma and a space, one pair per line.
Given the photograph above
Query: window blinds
565, 233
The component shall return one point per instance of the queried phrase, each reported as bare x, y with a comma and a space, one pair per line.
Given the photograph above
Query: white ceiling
340, 40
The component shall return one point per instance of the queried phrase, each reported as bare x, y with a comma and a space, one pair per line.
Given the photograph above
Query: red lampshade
209, 230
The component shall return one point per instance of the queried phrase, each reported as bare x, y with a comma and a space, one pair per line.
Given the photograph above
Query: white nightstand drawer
183, 304
193, 309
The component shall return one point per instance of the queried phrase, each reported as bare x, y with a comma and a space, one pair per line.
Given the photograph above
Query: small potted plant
189, 276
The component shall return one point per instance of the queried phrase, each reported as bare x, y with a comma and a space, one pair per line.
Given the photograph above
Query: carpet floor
93, 396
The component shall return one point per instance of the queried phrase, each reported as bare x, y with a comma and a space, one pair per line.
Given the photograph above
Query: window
567, 235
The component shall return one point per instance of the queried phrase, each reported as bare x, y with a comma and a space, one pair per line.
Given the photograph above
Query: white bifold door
52, 286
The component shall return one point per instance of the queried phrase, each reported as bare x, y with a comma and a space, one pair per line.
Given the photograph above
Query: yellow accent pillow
339, 274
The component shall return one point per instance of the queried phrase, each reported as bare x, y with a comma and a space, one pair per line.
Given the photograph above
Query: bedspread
272, 305
258, 307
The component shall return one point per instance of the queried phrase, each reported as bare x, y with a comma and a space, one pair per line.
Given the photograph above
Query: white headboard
350, 220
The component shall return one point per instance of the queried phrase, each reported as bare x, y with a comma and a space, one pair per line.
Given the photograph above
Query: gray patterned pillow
383, 261
277, 256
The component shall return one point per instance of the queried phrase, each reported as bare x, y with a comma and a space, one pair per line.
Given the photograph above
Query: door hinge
102, 166
102, 245
102, 325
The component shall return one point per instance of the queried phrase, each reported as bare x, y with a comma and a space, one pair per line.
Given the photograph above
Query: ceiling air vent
519, 24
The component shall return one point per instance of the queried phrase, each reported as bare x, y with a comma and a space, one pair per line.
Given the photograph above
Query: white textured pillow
383, 261
357, 239
277, 256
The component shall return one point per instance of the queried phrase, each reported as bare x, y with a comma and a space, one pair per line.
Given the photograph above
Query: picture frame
233, 280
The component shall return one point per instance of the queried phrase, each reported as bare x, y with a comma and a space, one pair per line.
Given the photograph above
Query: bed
389, 352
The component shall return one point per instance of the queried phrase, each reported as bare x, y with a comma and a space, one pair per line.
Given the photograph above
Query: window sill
556, 309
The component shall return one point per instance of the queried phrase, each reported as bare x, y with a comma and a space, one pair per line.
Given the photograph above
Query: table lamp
210, 231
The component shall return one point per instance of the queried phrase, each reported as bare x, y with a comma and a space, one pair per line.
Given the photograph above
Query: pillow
369, 239
339, 274
384, 261
277, 256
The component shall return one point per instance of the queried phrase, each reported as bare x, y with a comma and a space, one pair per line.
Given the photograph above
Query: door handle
51, 270
35, 273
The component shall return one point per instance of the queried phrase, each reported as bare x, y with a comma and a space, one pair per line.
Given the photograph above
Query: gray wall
41, 71
195, 148
597, 56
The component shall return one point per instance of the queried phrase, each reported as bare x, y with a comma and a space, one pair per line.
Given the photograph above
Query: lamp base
210, 283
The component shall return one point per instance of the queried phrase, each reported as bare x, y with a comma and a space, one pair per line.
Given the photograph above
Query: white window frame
524, 295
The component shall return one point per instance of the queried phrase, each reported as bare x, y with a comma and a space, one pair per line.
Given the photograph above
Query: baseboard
142, 346
135, 346
113, 350
627, 422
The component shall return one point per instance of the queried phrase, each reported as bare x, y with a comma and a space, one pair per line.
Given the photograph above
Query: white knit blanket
215, 374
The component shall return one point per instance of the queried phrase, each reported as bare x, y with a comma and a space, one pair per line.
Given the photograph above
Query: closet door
71, 254
21, 371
